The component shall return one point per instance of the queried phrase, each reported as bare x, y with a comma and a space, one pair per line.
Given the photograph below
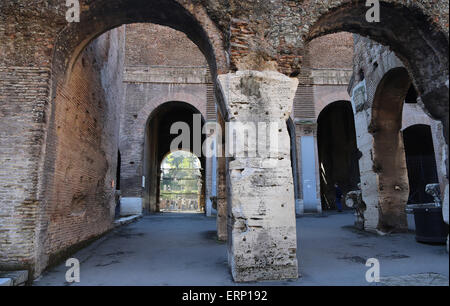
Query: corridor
182, 249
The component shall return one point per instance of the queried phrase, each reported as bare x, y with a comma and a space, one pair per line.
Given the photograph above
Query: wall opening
421, 162
181, 183
158, 141
338, 152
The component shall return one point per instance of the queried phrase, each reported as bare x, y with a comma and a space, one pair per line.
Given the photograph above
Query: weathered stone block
262, 244
130, 206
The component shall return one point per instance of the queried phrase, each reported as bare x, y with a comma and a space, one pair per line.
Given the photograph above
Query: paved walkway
181, 249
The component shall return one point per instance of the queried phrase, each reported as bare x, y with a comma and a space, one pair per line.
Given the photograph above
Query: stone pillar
262, 241
369, 183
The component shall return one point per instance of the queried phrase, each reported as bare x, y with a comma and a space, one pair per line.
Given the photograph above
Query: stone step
126, 220
13, 278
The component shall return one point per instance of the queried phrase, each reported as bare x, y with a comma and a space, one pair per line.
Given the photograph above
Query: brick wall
24, 96
332, 51
154, 45
81, 151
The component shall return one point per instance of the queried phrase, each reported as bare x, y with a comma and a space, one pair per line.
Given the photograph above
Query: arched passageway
338, 152
388, 150
420, 44
420, 161
162, 132
81, 134
181, 183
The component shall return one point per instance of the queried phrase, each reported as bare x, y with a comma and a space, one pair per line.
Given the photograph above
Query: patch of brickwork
81, 151
24, 95
155, 45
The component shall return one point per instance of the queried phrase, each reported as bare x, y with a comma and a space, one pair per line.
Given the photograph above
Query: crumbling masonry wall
76, 199
379, 120
81, 152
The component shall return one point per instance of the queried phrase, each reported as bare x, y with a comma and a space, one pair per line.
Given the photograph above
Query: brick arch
421, 42
156, 145
104, 15
199, 103
416, 121
322, 101
58, 158
100, 16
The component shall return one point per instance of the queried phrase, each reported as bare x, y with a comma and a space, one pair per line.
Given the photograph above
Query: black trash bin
430, 225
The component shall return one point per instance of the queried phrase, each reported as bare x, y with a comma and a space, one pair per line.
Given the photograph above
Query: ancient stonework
60, 109
262, 236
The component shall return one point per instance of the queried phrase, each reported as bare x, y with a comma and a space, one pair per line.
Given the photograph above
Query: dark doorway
338, 152
421, 162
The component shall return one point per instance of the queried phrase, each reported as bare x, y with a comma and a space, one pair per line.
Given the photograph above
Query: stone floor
181, 249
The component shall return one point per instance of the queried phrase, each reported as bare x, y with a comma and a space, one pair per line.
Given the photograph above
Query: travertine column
262, 241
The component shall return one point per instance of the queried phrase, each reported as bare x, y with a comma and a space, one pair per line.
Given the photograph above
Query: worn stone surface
262, 238
378, 103
419, 279
17, 278
383, 174
188, 254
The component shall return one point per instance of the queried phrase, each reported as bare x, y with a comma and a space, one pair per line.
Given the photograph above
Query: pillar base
273, 272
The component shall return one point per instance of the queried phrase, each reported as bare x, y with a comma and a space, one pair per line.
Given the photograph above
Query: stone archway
420, 43
70, 93
425, 60
389, 164
337, 150
421, 162
157, 145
